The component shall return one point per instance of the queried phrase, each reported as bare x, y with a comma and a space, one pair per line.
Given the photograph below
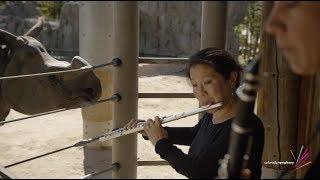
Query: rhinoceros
26, 55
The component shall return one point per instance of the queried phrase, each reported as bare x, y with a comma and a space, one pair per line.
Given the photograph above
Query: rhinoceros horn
36, 29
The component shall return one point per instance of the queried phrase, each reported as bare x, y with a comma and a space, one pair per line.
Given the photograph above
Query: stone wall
173, 28
166, 28
170, 28
18, 16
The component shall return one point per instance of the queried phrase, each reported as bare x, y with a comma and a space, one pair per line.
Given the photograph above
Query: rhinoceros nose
93, 93
90, 92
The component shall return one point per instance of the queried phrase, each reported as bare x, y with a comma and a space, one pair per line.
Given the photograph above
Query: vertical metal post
96, 46
213, 24
125, 78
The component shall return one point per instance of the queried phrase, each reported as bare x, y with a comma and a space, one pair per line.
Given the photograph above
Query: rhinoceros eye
55, 80
53, 77
41, 49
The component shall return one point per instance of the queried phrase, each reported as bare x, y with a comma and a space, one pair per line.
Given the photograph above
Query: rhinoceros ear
7, 38
36, 29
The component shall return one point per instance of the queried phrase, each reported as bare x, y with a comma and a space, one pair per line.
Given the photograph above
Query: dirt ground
42, 134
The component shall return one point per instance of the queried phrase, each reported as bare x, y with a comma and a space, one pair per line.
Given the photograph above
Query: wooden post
95, 45
308, 116
213, 24
125, 78
277, 102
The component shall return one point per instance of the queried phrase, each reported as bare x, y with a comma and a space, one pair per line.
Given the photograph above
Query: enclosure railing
162, 60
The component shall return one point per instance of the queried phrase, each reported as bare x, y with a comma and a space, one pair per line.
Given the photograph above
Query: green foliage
249, 32
2, 4
50, 9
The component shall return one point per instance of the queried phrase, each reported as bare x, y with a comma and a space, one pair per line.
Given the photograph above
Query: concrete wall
166, 28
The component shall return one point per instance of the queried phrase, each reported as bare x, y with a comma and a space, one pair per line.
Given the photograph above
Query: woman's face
209, 86
296, 28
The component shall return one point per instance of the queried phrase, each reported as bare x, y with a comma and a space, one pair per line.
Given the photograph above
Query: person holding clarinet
296, 27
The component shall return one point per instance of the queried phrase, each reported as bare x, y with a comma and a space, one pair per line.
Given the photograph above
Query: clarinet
240, 139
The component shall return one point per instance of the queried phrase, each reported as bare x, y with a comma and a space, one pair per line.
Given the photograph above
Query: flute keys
139, 125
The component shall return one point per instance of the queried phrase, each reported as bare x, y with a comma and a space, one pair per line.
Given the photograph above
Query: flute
122, 132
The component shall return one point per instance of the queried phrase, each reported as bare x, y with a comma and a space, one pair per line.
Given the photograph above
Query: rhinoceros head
26, 55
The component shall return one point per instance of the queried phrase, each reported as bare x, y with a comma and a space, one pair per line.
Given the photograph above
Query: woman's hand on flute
133, 123
154, 130
246, 174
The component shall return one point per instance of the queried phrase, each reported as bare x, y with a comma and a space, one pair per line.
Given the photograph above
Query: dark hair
221, 61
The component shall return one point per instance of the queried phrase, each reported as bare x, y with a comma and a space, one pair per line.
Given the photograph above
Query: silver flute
122, 132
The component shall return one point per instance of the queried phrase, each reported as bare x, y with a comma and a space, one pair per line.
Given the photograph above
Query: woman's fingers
154, 130
157, 121
131, 123
143, 133
245, 174
147, 126
128, 124
149, 123
150, 128
135, 124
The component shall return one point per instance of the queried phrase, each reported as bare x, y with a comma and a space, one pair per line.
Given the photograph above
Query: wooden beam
153, 163
163, 60
277, 102
166, 95
213, 24
97, 119
308, 116
126, 47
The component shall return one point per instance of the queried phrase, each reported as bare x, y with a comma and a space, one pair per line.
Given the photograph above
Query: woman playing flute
214, 75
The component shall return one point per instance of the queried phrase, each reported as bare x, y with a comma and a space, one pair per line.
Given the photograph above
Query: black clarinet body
240, 140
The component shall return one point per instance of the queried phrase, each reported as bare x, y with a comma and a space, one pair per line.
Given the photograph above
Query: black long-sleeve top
208, 144
314, 171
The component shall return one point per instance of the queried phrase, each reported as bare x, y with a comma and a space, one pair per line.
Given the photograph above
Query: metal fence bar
115, 97
36, 157
5, 174
114, 166
115, 62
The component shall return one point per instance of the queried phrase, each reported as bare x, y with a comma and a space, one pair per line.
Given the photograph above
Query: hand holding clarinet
235, 163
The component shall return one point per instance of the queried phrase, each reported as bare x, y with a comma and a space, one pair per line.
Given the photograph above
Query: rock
236, 13
69, 26
166, 28
22, 9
